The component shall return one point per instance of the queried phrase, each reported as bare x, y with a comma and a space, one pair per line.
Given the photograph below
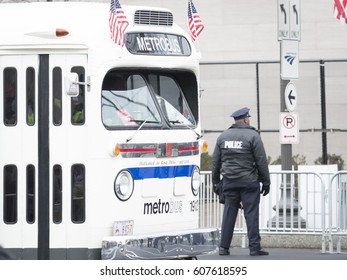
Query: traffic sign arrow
283, 10
288, 20
295, 22
283, 19
291, 97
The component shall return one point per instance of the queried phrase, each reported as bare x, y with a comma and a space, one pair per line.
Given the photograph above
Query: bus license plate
123, 227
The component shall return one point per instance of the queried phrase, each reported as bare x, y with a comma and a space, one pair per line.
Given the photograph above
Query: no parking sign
289, 128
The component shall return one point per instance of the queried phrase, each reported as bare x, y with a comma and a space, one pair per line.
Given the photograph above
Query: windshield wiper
141, 123
175, 122
181, 122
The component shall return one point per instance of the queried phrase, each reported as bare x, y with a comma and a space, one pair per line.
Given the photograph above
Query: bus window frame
178, 78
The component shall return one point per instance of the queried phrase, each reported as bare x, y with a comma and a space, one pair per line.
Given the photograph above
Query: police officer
240, 158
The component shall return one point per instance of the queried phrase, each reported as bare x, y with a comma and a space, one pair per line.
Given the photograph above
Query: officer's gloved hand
265, 190
216, 188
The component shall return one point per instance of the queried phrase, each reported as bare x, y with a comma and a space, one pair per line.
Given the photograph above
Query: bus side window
10, 96
57, 96
78, 205
10, 194
30, 207
78, 102
57, 194
30, 93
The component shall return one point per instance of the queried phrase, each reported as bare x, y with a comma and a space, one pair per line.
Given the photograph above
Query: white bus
99, 144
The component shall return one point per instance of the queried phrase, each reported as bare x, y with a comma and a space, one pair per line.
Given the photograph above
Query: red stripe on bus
188, 149
138, 150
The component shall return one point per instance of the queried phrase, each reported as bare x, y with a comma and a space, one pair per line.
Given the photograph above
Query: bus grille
153, 18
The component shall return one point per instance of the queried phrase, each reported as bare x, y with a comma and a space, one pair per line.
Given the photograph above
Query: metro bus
100, 143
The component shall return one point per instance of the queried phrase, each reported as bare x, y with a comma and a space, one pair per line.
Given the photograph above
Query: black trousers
249, 195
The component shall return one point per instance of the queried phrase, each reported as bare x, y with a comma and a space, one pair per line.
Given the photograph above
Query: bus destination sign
157, 44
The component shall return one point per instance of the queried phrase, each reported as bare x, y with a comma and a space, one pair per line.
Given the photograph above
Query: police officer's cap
241, 113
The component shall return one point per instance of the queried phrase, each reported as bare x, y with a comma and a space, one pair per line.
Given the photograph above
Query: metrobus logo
161, 207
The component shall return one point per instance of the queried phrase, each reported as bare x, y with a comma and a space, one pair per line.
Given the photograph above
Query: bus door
42, 155
18, 152
68, 148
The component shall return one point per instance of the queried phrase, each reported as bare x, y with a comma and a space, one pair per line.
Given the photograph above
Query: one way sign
290, 97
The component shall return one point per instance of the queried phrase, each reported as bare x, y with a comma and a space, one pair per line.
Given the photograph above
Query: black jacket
240, 156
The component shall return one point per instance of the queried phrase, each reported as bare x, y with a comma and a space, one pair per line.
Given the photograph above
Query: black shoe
261, 252
224, 251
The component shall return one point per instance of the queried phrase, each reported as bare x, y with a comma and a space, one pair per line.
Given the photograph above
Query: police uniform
240, 158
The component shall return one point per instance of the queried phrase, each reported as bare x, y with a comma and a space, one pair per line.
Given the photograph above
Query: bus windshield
130, 100
171, 100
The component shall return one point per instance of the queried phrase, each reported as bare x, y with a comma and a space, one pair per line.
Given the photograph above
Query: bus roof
34, 25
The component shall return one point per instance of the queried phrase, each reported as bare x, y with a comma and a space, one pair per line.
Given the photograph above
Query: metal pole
258, 94
286, 149
324, 116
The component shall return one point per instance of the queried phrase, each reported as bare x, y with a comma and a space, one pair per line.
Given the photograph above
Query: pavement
237, 253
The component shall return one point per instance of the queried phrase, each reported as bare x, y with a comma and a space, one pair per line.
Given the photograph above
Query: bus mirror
71, 84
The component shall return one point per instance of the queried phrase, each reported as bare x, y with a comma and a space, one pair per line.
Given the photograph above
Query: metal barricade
337, 210
296, 205
210, 208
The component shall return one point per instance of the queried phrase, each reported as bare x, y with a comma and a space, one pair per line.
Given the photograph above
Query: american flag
194, 21
340, 10
118, 23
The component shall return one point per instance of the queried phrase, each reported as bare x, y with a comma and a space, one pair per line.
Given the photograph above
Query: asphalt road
277, 254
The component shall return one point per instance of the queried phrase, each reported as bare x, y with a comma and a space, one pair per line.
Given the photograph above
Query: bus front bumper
170, 245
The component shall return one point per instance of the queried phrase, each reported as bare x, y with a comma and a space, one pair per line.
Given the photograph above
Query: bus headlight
124, 185
196, 181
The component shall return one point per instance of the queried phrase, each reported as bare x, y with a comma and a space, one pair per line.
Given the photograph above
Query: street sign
290, 97
289, 20
295, 20
289, 128
283, 19
289, 60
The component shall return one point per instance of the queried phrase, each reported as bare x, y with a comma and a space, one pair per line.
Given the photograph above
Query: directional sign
289, 128
283, 19
290, 97
289, 20
295, 20
289, 60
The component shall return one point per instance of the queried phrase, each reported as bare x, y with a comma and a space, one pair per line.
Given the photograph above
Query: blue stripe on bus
161, 172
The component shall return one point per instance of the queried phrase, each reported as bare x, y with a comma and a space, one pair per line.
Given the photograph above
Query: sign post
289, 35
